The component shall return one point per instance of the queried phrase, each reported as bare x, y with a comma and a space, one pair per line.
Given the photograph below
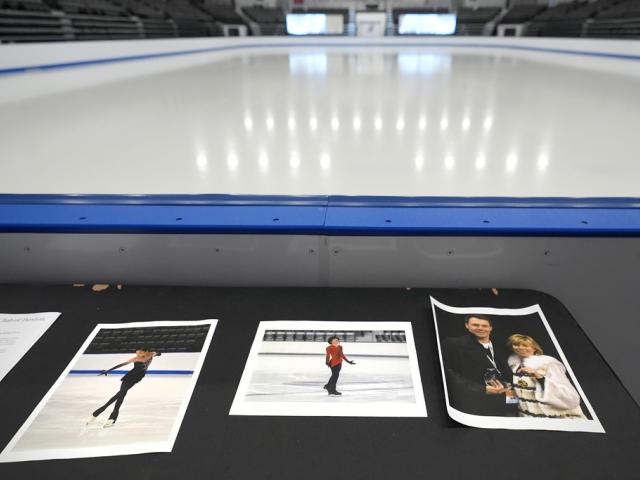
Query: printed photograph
504, 368
319, 368
125, 392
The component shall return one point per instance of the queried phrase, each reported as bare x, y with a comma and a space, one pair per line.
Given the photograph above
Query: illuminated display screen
427, 24
314, 24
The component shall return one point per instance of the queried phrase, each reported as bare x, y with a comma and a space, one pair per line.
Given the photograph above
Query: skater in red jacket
333, 360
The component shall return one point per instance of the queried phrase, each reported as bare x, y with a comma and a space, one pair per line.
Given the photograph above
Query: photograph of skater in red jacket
333, 360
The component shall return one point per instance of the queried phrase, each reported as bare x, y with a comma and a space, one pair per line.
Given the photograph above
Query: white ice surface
398, 120
300, 378
147, 414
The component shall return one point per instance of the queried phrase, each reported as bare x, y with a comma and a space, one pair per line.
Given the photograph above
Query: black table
212, 444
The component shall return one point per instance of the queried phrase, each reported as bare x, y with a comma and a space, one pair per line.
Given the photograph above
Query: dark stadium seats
189, 338
564, 20
472, 21
615, 19
154, 21
59, 20
271, 21
224, 14
359, 336
521, 14
31, 21
99, 20
191, 21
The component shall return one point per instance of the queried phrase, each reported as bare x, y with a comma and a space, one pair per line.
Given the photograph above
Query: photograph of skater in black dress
333, 360
141, 362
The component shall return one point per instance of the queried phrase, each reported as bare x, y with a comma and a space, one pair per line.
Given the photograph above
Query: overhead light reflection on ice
308, 64
232, 161
423, 63
480, 161
201, 161
294, 160
449, 162
325, 161
543, 162
263, 161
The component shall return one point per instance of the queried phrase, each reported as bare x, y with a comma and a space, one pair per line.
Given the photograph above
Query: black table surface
212, 444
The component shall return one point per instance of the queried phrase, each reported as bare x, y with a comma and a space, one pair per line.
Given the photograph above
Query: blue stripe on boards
193, 51
123, 372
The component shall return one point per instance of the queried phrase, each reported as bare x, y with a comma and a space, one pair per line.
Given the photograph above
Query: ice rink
406, 120
300, 378
147, 414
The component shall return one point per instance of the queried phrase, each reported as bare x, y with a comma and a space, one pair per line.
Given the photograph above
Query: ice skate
91, 419
109, 423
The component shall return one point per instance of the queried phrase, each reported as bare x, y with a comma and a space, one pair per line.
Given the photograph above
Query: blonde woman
541, 382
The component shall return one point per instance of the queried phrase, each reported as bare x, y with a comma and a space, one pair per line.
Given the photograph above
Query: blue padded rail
319, 215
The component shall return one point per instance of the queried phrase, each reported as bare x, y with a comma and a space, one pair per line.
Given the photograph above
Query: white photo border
293, 409
7, 455
515, 423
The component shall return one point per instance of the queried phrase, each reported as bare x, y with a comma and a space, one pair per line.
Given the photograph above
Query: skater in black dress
141, 363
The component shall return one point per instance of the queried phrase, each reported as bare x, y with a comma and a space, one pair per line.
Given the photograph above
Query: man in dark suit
470, 362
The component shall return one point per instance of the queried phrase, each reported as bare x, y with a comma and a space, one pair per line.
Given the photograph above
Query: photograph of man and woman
503, 368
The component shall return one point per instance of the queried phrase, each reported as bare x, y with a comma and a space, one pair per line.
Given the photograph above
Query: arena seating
615, 19
224, 14
190, 20
472, 21
564, 20
521, 14
59, 20
31, 21
99, 20
271, 21
348, 336
188, 338
153, 20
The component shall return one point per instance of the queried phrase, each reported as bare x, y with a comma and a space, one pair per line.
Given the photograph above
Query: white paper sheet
18, 333
152, 410
288, 378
